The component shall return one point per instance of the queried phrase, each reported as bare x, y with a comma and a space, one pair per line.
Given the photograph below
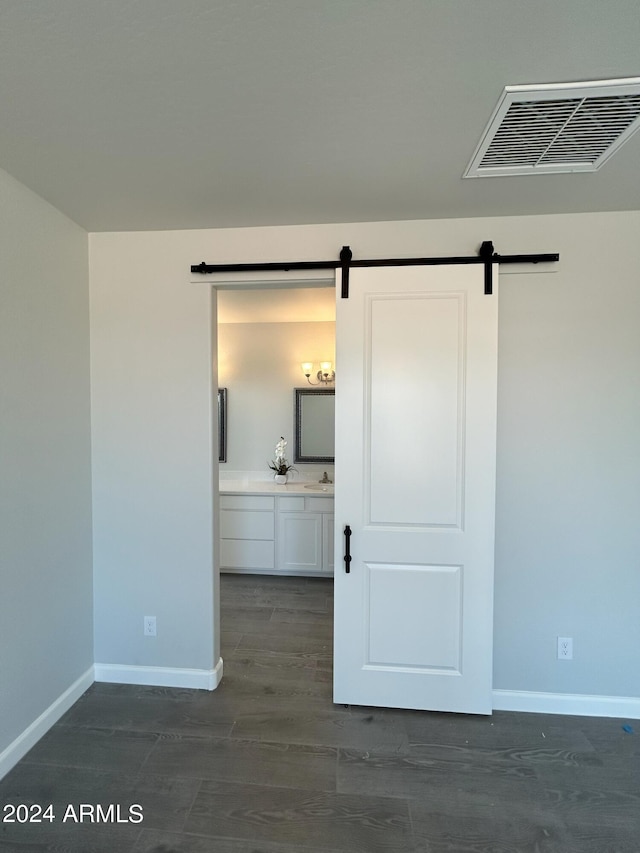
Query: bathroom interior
265, 336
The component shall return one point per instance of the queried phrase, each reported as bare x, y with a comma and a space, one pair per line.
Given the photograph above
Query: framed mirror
222, 424
315, 411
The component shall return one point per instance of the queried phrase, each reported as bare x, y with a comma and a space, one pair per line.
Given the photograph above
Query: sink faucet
325, 479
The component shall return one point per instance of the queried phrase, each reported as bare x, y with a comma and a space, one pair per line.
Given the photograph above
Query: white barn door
415, 468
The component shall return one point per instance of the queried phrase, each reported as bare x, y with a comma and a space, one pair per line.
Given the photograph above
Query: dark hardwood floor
267, 764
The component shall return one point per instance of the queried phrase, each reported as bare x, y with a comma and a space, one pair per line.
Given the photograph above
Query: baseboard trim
160, 676
567, 703
32, 734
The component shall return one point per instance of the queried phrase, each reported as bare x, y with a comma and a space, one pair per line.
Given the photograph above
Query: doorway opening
275, 545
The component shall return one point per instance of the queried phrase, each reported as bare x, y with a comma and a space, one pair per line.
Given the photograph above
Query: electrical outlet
149, 626
565, 648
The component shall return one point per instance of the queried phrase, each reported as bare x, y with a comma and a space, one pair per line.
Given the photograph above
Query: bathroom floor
267, 764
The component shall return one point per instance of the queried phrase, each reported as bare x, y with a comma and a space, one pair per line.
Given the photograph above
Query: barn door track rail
486, 255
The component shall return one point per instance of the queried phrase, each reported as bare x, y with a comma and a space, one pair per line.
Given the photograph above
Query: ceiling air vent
558, 127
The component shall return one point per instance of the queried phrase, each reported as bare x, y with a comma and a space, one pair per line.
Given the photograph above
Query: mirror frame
222, 424
300, 394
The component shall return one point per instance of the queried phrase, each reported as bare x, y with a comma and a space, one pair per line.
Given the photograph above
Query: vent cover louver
559, 127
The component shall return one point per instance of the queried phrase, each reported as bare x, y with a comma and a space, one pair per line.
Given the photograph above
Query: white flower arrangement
280, 464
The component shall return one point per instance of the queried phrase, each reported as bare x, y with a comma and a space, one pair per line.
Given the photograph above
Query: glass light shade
307, 367
325, 366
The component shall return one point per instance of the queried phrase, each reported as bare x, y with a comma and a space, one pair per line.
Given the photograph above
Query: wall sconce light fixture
325, 375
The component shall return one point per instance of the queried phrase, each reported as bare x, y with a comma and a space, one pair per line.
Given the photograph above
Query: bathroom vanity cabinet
289, 533
305, 535
247, 533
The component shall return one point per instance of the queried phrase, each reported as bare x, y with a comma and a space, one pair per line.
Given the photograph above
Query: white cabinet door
328, 548
415, 460
300, 542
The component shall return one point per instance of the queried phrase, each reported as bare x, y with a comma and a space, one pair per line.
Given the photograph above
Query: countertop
268, 487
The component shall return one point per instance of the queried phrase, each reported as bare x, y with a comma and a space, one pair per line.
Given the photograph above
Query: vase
280, 479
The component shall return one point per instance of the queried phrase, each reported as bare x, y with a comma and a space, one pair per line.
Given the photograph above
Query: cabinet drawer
318, 504
246, 502
246, 554
241, 524
292, 503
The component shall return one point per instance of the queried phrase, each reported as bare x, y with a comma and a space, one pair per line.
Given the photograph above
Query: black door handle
347, 549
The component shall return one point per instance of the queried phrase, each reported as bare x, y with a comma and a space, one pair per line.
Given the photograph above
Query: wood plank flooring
267, 764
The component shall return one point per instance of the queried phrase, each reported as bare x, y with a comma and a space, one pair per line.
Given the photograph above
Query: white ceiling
169, 114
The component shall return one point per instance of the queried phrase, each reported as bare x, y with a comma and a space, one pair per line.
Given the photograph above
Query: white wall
259, 363
153, 466
46, 642
568, 541
568, 538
